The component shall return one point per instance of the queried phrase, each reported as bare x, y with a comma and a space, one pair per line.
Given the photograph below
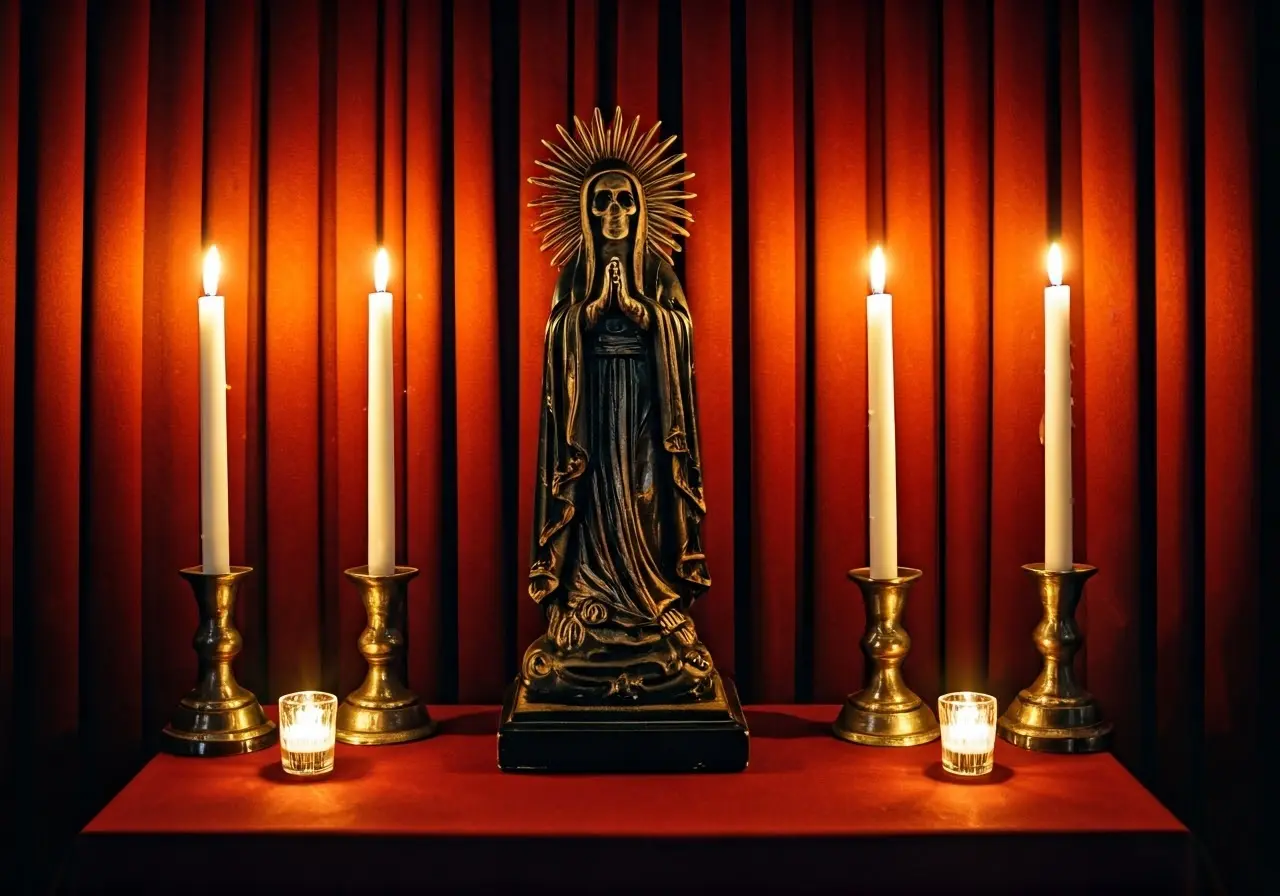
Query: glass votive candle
307, 724
968, 722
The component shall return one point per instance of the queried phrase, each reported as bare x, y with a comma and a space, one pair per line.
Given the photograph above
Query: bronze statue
617, 556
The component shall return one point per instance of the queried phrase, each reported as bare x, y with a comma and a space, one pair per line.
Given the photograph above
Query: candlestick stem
218, 717
1055, 714
885, 712
383, 710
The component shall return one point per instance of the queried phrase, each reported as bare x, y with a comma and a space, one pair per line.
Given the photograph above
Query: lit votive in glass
307, 723
968, 722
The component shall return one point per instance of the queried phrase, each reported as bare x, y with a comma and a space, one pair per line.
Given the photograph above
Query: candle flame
877, 270
1054, 263
381, 270
212, 270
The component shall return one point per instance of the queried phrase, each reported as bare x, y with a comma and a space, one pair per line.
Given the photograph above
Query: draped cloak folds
571, 450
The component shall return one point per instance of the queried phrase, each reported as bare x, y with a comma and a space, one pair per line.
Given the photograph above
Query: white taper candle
382, 452
215, 524
1057, 417
882, 446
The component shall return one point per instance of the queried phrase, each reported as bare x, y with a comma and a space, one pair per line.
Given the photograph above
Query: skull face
613, 201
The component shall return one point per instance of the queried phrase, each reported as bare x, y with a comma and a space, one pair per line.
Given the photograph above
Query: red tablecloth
810, 811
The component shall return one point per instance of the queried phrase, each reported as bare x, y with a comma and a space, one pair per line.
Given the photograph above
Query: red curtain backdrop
964, 136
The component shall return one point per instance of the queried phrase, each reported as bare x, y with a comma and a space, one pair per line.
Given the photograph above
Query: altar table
810, 813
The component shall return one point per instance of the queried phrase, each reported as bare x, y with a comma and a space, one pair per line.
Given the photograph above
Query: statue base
707, 736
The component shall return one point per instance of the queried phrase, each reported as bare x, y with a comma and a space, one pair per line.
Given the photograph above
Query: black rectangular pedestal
710, 736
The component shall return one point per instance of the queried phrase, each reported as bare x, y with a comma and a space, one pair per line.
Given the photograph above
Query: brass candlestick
1055, 714
885, 713
383, 710
218, 717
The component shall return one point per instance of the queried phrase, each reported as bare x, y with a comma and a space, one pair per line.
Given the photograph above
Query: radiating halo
560, 223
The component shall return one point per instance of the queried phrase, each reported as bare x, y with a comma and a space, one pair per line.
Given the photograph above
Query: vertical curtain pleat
355, 205
170, 373
911, 234
482, 666
964, 136
965, 313
771, 212
1108, 391
1175, 398
839, 409
1231, 431
637, 60
51, 544
544, 96
9, 61
293, 370
586, 65
48, 419
423, 298
111, 575
709, 286
1019, 210
331, 527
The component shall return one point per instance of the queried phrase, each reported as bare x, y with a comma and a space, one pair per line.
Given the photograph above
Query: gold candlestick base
885, 713
218, 717
1055, 714
383, 710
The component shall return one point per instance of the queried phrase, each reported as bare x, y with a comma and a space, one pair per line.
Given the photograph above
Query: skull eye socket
626, 200
600, 201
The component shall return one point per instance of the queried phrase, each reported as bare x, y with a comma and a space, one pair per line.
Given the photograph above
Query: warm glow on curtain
301, 135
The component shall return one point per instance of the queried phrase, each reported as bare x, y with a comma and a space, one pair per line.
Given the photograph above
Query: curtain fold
963, 136
1232, 429
110, 606
966, 340
1019, 232
9, 58
773, 310
841, 225
47, 533
707, 103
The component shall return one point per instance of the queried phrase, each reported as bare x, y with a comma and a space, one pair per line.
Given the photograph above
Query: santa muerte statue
620, 680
